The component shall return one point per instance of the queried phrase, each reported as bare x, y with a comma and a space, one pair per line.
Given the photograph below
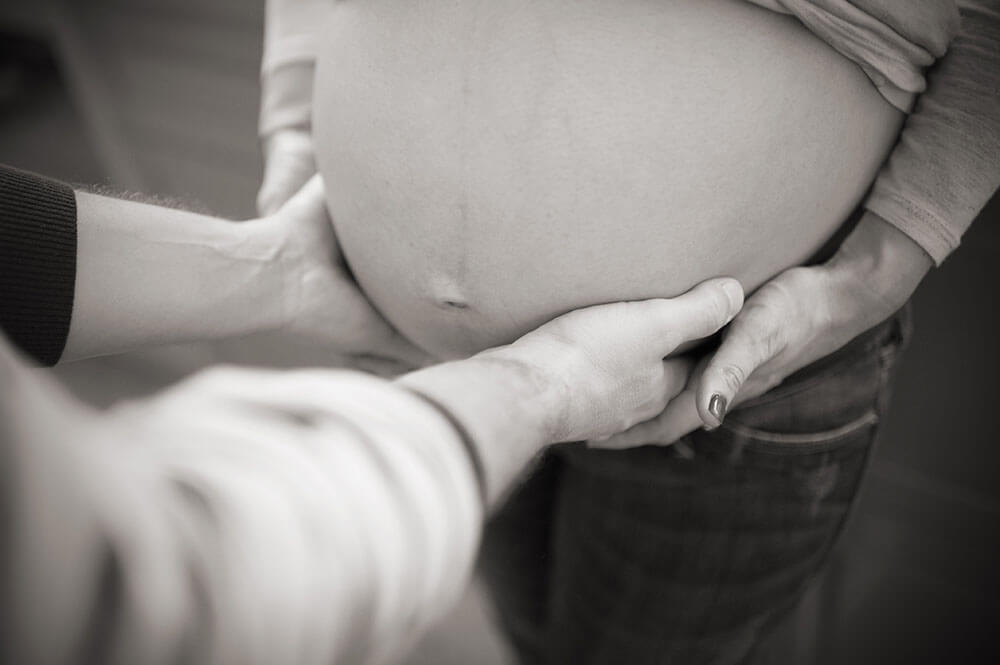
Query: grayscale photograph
499, 332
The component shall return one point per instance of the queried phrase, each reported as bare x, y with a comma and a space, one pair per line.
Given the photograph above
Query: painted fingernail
717, 407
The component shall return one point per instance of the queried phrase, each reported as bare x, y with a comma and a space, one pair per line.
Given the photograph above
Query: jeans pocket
824, 412
836, 403
772, 442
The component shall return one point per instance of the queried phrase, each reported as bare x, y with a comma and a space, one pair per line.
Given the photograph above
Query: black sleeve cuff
37, 262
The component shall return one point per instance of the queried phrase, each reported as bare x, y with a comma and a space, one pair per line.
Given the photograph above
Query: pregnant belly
492, 165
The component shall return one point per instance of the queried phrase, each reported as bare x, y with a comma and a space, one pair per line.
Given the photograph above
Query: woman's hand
604, 366
800, 316
292, 32
322, 302
288, 164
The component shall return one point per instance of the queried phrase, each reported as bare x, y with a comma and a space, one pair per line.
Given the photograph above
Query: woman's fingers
755, 337
306, 211
699, 313
290, 163
664, 324
788, 323
752, 340
308, 200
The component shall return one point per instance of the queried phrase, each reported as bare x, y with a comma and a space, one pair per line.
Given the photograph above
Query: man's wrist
148, 274
489, 386
506, 408
260, 246
535, 386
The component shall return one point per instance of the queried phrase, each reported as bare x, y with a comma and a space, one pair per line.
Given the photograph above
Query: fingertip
312, 189
305, 194
734, 293
272, 200
700, 312
316, 181
266, 203
715, 409
701, 400
732, 296
715, 394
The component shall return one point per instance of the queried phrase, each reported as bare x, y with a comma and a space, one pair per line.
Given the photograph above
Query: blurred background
160, 96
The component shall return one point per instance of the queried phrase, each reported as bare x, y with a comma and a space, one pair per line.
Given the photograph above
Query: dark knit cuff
37, 262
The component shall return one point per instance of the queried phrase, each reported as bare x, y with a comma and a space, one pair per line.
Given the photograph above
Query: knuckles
733, 376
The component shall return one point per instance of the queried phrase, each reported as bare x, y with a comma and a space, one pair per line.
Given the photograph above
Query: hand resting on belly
490, 167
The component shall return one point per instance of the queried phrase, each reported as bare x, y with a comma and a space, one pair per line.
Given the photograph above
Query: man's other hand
323, 303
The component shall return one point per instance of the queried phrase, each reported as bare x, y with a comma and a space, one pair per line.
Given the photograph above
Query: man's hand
590, 373
322, 301
606, 363
288, 164
800, 316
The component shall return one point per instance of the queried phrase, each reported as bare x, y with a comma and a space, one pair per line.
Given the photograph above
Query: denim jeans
687, 554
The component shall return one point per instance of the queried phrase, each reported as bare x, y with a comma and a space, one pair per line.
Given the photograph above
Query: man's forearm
152, 275
334, 508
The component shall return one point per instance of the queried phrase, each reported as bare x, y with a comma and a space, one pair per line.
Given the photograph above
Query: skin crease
489, 167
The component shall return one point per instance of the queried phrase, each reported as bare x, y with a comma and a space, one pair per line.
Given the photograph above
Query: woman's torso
492, 165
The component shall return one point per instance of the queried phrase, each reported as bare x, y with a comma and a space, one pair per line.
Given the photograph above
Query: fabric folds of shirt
310, 517
893, 44
946, 165
941, 53
291, 40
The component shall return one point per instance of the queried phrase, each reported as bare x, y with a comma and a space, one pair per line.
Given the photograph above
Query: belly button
446, 294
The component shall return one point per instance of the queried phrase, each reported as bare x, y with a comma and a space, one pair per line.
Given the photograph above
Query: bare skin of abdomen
491, 165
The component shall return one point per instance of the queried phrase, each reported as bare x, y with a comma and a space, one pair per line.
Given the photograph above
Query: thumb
753, 339
306, 211
699, 313
308, 201
289, 164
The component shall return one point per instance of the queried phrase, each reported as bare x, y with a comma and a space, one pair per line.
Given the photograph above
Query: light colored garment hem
894, 64
931, 233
